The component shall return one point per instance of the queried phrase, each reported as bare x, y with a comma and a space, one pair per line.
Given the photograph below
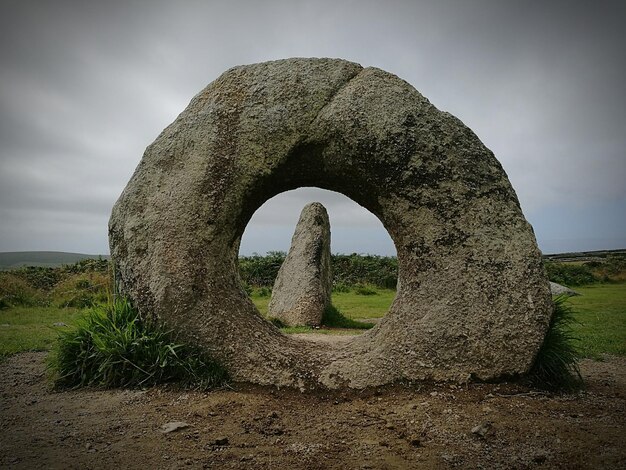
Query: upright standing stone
303, 286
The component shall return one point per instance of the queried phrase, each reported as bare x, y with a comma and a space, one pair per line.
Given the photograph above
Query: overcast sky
85, 86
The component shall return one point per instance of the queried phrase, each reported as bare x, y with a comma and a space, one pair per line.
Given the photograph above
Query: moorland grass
111, 346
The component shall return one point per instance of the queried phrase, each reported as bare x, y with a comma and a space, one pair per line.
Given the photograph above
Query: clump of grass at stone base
112, 346
556, 366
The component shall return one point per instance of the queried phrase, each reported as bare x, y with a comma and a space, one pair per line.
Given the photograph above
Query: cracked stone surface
304, 283
473, 299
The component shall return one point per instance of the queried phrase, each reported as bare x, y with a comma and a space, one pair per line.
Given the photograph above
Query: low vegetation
333, 318
333, 322
80, 285
348, 270
33, 328
38, 303
600, 313
556, 365
15, 291
111, 346
580, 273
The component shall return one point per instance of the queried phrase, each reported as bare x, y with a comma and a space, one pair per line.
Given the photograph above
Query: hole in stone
364, 261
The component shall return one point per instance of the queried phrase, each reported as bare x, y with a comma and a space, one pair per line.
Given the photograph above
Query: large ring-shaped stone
473, 300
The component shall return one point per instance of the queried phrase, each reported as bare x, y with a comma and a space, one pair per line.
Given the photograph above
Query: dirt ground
426, 426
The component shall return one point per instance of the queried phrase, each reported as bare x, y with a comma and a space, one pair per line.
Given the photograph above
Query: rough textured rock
303, 286
558, 289
473, 299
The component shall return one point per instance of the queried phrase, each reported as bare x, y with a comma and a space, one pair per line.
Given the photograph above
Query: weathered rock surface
473, 299
558, 289
303, 286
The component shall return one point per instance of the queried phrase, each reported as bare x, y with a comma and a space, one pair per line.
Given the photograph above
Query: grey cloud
86, 86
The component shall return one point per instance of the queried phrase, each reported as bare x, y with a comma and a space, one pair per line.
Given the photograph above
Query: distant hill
52, 259
597, 255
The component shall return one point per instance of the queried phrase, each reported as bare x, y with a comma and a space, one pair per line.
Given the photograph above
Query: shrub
612, 269
264, 292
16, 291
89, 265
570, 274
556, 364
364, 290
379, 271
257, 270
341, 287
348, 270
82, 290
113, 347
246, 287
335, 319
42, 278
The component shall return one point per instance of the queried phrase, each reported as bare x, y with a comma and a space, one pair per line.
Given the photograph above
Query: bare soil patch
422, 426
323, 338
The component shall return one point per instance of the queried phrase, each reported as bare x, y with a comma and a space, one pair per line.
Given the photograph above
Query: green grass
556, 364
32, 328
600, 314
357, 306
111, 346
351, 305
334, 318
261, 302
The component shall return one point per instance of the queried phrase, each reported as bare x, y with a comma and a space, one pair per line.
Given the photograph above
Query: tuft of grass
333, 318
113, 347
277, 322
556, 364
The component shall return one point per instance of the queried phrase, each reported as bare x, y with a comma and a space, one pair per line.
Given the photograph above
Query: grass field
600, 313
352, 305
601, 319
32, 328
